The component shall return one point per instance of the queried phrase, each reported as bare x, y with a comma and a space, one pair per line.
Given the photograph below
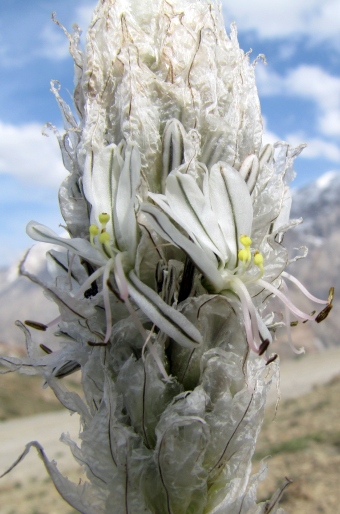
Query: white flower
217, 217
111, 179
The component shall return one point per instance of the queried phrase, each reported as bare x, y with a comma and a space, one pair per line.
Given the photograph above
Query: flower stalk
175, 213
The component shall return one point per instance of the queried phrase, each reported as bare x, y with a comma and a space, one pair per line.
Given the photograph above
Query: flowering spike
176, 215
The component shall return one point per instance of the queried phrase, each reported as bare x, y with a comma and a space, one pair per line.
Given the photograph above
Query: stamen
54, 322
330, 295
42, 326
286, 318
246, 241
248, 309
104, 218
45, 349
304, 290
324, 313
106, 299
258, 261
244, 254
272, 359
94, 231
104, 239
276, 292
88, 282
263, 346
36, 325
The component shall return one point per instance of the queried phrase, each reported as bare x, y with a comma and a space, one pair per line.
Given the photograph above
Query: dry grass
22, 395
304, 444
34, 497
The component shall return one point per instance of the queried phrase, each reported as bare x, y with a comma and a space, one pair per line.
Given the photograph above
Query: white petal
77, 245
249, 171
165, 317
173, 148
193, 212
232, 206
98, 175
205, 261
125, 225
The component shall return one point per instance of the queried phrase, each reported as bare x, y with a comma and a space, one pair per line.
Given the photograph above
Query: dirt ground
303, 442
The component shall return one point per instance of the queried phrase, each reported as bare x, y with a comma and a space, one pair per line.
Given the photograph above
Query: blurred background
299, 89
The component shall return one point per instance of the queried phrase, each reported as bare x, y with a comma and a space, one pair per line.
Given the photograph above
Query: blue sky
299, 90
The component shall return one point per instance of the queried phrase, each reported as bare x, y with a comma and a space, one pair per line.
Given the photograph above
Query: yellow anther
104, 218
246, 241
94, 230
243, 255
104, 238
258, 259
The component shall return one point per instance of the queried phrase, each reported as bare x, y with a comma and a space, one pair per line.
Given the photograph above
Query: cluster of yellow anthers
244, 254
103, 236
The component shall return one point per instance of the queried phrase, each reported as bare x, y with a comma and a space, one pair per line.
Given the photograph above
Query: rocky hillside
318, 205
20, 299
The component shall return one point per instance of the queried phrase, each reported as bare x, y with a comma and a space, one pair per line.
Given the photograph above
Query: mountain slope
21, 299
318, 205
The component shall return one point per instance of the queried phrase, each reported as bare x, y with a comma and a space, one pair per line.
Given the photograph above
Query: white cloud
309, 83
84, 14
286, 50
54, 43
268, 82
314, 83
330, 122
316, 147
318, 20
29, 156
324, 89
268, 135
